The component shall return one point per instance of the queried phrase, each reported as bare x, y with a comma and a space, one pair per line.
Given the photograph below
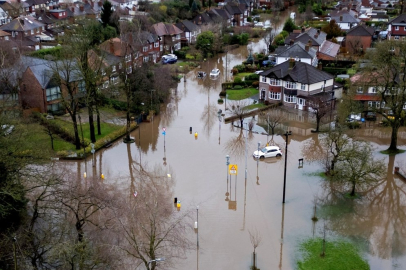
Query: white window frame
360, 90
156, 44
289, 98
275, 82
303, 86
263, 79
290, 85
275, 95
396, 27
113, 68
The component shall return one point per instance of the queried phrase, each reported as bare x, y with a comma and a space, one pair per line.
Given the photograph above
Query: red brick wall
32, 95
400, 32
352, 43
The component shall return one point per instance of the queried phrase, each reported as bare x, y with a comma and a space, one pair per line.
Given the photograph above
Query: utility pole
286, 160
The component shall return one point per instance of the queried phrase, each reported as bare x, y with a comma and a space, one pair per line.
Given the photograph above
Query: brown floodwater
231, 206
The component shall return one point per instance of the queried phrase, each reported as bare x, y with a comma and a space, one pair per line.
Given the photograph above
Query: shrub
234, 71
190, 57
220, 100
252, 77
266, 102
237, 80
255, 84
240, 68
237, 87
353, 125
222, 94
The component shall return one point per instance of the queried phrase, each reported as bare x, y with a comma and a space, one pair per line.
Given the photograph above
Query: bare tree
255, 238
238, 109
320, 106
148, 225
274, 118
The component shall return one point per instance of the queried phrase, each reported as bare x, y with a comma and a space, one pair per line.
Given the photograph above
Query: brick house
293, 83
312, 35
365, 92
359, 39
39, 91
190, 32
397, 28
169, 36
24, 30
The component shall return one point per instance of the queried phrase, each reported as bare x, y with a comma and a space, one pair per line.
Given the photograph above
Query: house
237, 11
328, 51
4, 17
365, 92
35, 5
293, 83
190, 32
312, 35
24, 31
359, 39
40, 91
299, 51
397, 28
12, 9
4, 35
345, 19
169, 36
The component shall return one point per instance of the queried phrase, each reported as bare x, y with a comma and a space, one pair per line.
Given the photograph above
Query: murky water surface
230, 206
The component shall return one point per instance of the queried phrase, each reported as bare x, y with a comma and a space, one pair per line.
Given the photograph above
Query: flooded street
231, 206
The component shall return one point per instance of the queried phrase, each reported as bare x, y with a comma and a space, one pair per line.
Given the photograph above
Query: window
275, 82
290, 85
161, 48
120, 65
32, 32
289, 98
360, 90
145, 49
178, 36
128, 58
146, 59
129, 70
81, 86
373, 90
303, 86
103, 72
275, 96
396, 38
150, 46
114, 80
396, 27
156, 44
53, 93
54, 107
113, 68
375, 104
263, 78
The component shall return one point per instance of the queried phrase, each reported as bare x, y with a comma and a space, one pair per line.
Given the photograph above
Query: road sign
164, 128
164, 133
232, 169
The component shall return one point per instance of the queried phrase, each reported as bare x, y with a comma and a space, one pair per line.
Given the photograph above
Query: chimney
307, 47
291, 42
22, 21
316, 35
341, 18
303, 29
320, 66
318, 31
111, 43
291, 63
82, 8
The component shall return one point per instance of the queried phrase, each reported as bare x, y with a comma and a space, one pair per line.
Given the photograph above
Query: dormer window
114, 68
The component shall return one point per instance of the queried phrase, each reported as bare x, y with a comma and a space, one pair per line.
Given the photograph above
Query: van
292, 15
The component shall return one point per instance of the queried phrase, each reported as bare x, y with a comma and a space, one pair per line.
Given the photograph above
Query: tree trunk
98, 121
394, 138
242, 122
76, 131
318, 124
128, 120
352, 194
91, 124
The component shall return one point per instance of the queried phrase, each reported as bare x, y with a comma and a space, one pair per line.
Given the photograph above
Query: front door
262, 95
300, 102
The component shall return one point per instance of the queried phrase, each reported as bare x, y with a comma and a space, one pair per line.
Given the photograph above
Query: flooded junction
229, 206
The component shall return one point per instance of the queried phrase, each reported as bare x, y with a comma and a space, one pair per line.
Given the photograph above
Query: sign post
164, 133
233, 169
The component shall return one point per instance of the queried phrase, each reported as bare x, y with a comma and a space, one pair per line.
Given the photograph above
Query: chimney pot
307, 47
341, 18
316, 36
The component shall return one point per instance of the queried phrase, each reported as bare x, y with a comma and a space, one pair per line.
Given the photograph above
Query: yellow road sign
232, 169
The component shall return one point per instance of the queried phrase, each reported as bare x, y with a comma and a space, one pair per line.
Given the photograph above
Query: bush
252, 77
237, 87
237, 80
240, 68
220, 100
190, 57
222, 94
353, 125
234, 71
255, 84
266, 102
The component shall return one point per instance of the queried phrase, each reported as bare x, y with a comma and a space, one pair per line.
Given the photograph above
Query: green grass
254, 106
392, 153
339, 255
43, 140
241, 93
242, 74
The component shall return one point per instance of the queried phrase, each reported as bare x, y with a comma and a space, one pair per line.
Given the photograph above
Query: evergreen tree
106, 12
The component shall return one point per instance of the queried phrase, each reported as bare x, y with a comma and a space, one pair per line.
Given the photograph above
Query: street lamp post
286, 160
151, 97
197, 223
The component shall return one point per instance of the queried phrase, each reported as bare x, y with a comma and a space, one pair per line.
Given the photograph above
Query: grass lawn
339, 255
241, 93
39, 135
242, 75
255, 106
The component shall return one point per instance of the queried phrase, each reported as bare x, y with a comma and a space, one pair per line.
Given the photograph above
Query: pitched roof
298, 50
344, 16
187, 26
399, 20
222, 13
315, 36
21, 24
329, 48
165, 29
301, 72
361, 30
233, 8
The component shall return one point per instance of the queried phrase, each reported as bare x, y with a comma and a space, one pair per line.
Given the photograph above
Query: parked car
371, 116
267, 63
267, 24
170, 56
268, 151
247, 24
354, 117
169, 60
259, 72
215, 72
259, 24
383, 34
